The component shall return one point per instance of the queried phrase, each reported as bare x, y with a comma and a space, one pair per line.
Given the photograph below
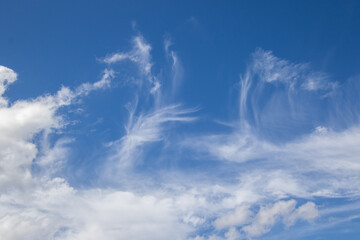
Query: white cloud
271, 69
240, 216
232, 234
242, 223
145, 129
117, 57
23, 120
275, 92
212, 237
53, 158
145, 125
34, 206
177, 70
41, 206
329, 151
320, 163
333, 155
307, 211
53, 210
236, 147
20, 123
139, 54
116, 214
7, 76
267, 216
103, 83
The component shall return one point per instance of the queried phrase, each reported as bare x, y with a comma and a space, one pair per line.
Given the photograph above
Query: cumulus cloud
307, 211
240, 216
232, 234
23, 120
25, 197
54, 210
7, 76
265, 218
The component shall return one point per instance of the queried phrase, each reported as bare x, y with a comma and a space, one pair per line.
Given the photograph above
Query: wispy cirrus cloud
146, 125
145, 129
140, 55
314, 161
177, 71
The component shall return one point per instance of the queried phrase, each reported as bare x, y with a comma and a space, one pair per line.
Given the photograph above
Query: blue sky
179, 120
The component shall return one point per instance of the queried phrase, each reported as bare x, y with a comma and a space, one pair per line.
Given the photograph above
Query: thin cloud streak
321, 163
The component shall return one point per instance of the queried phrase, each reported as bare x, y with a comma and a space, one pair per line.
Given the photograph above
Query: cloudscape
179, 120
